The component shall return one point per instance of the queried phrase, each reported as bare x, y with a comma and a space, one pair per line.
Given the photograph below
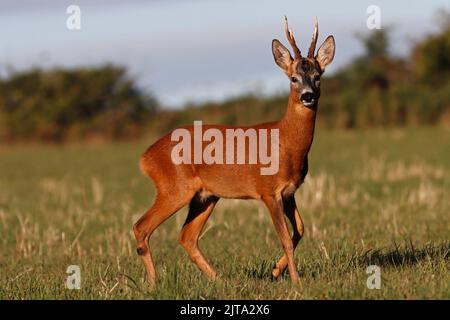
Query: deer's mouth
309, 103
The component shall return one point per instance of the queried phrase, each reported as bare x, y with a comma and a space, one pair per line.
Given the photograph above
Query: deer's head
304, 72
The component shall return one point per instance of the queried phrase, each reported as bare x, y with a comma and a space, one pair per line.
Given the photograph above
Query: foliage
66, 104
431, 58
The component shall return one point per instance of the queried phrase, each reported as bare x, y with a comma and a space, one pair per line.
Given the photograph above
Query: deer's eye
316, 78
294, 79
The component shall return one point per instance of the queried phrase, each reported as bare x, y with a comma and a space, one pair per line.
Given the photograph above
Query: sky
197, 50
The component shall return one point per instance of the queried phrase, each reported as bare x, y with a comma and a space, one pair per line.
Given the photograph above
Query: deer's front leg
275, 206
292, 213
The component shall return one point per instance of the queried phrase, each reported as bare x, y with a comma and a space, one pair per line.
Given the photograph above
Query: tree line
82, 103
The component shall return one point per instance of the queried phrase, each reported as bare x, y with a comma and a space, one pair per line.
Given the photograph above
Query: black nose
307, 96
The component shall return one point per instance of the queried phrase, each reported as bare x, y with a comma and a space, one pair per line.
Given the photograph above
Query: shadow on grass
404, 255
396, 256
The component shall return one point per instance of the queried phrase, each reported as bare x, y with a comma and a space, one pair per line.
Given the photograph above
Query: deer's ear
281, 55
325, 54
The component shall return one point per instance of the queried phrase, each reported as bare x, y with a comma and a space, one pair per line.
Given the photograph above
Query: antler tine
312, 47
290, 37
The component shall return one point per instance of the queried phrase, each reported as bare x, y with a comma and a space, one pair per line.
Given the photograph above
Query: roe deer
201, 185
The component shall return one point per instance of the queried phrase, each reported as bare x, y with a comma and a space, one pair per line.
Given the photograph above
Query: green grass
371, 197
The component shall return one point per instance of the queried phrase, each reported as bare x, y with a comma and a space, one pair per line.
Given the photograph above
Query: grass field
377, 197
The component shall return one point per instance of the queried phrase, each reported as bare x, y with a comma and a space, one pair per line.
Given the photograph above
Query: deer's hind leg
199, 212
166, 204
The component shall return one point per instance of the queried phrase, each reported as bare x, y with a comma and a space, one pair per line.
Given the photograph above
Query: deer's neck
297, 126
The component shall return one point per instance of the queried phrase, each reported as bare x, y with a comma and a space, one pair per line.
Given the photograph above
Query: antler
312, 47
291, 39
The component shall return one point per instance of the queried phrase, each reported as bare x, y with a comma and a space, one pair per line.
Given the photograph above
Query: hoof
276, 272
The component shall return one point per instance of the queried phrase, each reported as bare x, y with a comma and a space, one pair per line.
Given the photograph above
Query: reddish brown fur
201, 185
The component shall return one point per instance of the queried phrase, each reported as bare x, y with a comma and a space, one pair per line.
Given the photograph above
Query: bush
60, 104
